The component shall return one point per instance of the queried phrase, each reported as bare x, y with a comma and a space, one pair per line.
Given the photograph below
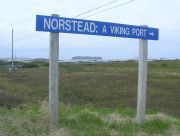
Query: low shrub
30, 65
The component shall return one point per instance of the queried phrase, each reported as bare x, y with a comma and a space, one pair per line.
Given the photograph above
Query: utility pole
12, 57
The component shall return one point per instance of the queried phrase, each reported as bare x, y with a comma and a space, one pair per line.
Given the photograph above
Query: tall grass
32, 120
93, 121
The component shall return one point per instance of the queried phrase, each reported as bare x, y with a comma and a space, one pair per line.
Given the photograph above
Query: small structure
86, 59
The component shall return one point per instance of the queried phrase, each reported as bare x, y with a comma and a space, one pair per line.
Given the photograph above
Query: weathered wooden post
142, 80
53, 78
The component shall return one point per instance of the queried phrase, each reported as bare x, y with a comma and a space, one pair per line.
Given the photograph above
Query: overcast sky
20, 15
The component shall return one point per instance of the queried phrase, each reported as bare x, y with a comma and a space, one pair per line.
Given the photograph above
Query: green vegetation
30, 65
96, 99
23, 121
32, 120
91, 121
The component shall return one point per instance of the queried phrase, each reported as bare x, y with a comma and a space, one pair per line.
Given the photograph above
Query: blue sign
79, 26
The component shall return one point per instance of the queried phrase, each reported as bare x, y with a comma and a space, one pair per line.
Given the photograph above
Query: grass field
96, 99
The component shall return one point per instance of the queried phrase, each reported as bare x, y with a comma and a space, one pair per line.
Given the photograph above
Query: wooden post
53, 79
142, 80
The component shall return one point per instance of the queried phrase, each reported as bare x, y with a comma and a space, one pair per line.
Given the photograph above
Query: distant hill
25, 59
86, 58
41, 59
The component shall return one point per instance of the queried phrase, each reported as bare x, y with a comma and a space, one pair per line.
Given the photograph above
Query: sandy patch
60, 132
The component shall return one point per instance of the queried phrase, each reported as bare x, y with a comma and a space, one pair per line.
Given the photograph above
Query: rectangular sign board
89, 27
